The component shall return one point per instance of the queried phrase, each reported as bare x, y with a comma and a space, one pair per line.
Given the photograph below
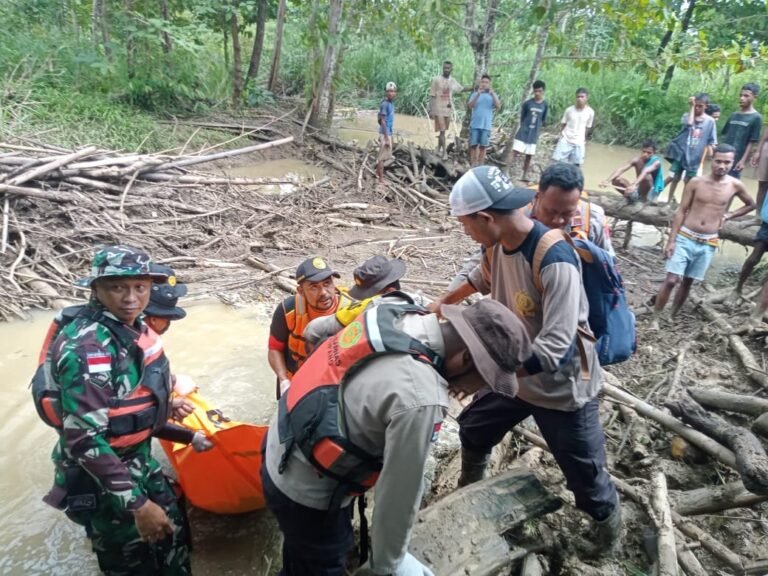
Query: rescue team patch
436, 431
319, 263
98, 362
524, 304
351, 335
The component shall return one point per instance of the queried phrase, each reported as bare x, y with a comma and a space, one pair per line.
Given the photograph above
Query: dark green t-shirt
742, 129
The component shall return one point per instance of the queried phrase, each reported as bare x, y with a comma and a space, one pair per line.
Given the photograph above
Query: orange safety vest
297, 318
132, 418
311, 412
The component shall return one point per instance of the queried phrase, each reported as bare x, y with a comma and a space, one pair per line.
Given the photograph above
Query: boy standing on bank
574, 128
532, 117
693, 237
482, 103
742, 130
386, 126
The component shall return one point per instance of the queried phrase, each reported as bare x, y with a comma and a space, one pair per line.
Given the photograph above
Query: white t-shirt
576, 124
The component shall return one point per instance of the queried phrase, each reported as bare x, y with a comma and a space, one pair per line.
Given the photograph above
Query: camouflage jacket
92, 365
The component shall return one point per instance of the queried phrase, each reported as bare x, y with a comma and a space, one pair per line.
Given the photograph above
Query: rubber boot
473, 465
608, 533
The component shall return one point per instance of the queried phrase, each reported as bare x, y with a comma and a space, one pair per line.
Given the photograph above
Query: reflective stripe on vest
132, 418
310, 413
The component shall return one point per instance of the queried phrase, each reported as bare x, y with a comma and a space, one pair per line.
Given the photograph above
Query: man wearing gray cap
364, 409
560, 380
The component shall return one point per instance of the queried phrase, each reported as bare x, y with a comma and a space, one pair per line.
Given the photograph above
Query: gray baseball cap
486, 187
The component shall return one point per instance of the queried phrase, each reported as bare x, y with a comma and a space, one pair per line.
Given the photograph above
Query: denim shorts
690, 258
566, 152
478, 137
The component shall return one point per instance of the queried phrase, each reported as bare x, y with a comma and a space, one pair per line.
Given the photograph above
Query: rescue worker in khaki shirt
316, 295
558, 203
392, 407
560, 380
115, 384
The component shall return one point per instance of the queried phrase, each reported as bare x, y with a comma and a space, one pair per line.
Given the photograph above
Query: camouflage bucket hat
120, 261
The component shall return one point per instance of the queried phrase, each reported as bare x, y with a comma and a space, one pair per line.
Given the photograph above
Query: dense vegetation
103, 70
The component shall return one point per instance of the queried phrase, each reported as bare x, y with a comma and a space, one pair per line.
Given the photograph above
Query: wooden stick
6, 212
667, 551
722, 400
50, 166
713, 499
687, 559
207, 158
737, 344
701, 441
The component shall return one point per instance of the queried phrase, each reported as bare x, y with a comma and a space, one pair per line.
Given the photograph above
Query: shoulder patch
436, 431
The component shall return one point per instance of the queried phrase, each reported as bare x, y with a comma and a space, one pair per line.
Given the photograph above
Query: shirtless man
649, 176
693, 236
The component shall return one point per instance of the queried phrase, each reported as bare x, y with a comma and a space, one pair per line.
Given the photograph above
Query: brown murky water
285, 168
224, 351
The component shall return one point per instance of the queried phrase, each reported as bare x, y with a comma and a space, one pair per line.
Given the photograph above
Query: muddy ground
255, 239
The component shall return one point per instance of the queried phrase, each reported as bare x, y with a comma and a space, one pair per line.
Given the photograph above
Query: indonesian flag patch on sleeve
99, 362
436, 431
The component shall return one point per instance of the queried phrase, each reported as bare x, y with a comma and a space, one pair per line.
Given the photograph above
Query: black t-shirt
278, 330
533, 115
742, 129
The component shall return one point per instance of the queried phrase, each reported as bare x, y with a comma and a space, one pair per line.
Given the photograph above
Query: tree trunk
225, 41
739, 231
99, 26
722, 400
334, 83
714, 499
130, 41
751, 459
165, 13
321, 99
237, 60
683, 29
275, 68
479, 515
258, 42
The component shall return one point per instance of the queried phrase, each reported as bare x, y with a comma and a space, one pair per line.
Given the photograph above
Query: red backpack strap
546, 242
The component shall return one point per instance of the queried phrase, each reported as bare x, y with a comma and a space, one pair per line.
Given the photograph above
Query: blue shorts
566, 152
690, 258
762, 234
478, 137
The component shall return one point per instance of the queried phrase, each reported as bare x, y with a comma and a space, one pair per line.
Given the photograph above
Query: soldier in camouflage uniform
106, 478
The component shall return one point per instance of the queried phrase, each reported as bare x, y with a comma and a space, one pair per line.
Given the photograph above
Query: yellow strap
546, 242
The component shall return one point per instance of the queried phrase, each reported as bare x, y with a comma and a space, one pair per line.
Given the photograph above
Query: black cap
163, 298
373, 275
315, 269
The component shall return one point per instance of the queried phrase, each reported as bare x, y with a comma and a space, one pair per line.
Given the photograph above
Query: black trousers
315, 542
576, 440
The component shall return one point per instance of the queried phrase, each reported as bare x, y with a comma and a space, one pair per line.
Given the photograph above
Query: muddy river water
224, 351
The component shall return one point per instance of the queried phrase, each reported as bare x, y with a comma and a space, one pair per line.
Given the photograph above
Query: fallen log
751, 459
701, 441
479, 515
751, 365
616, 206
713, 499
760, 425
722, 400
687, 559
665, 538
